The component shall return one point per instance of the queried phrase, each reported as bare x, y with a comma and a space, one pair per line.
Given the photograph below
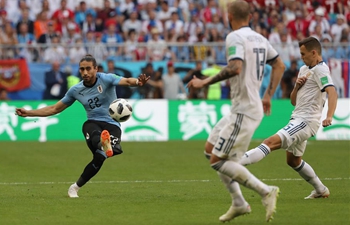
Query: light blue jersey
95, 99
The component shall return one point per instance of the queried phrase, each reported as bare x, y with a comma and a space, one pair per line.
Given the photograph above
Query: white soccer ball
120, 110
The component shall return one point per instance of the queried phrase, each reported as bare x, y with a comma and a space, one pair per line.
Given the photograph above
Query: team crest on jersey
99, 88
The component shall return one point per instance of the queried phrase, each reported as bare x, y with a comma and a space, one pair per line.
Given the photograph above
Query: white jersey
311, 97
254, 50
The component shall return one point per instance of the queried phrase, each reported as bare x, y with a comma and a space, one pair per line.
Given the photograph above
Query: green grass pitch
159, 184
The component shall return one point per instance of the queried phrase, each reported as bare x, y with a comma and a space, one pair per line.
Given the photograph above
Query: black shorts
93, 127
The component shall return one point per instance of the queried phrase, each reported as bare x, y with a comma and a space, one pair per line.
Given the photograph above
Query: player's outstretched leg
106, 143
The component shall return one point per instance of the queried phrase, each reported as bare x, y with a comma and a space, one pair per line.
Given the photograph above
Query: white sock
255, 155
242, 175
234, 189
306, 172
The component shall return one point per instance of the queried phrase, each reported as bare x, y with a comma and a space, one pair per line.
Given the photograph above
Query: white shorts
231, 136
295, 134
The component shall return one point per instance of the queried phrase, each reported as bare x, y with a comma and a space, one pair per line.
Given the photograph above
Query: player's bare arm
140, 81
42, 112
332, 105
298, 84
233, 68
278, 68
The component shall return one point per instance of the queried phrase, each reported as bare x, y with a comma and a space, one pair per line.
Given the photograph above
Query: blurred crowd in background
63, 31
177, 30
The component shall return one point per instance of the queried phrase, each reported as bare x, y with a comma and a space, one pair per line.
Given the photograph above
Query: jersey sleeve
271, 53
323, 77
234, 47
69, 97
112, 78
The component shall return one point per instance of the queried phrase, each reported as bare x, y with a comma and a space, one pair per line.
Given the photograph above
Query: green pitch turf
159, 184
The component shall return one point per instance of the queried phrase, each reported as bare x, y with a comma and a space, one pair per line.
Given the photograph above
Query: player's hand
327, 122
300, 82
195, 83
142, 79
266, 106
21, 112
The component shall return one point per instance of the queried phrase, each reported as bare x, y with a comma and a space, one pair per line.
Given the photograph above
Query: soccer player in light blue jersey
95, 92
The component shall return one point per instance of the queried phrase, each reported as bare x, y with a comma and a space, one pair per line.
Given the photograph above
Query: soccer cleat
106, 143
73, 191
270, 201
235, 211
314, 194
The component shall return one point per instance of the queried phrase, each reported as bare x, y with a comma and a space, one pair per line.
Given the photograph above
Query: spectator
196, 93
25, 19
298, 25
3, 94
328, 51
319, 20
130, 46
289, 78
104, 13
40, 24
153, 89
111, 37
55, 53
127, 7
156, 47
63, 13
216, 24
132, 24
214, 91
343, 50
56, 83
337, 28
82, 12
88, 25
27, 40
70, 34
180, 51
46, 38
174, 24
151, 23
165, 11
192, 27
77, 51
173, 88
121, 91
285, 49
209, 11
97, 48
218, 52
9, 40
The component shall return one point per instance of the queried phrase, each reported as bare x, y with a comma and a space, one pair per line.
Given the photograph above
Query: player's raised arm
140, 81
42, 112
233, 68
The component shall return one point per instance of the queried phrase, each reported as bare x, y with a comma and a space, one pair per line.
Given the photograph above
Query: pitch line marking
159, 181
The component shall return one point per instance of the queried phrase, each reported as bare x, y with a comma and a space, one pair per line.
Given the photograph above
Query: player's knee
293, 162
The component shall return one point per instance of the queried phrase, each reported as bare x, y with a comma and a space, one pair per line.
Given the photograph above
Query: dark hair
310, 44
89, 58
